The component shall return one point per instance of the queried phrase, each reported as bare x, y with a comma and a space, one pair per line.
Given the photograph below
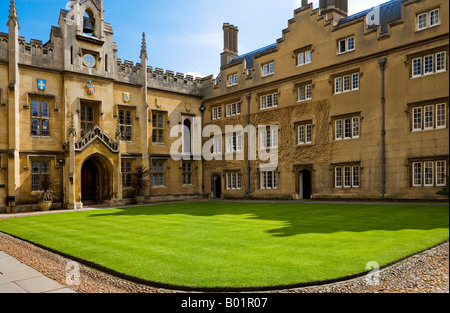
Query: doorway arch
217, 182
305, 185
96, 179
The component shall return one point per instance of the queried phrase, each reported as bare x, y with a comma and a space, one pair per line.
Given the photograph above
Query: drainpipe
202, 110
248, 95
382, 63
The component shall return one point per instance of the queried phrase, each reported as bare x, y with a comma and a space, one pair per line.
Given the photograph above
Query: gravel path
427, 272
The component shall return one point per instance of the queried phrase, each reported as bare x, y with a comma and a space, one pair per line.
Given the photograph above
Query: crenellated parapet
128, 72
35, 53
169, 81
157, 78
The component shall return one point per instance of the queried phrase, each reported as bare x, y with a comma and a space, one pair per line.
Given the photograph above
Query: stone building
360, 104
356, 107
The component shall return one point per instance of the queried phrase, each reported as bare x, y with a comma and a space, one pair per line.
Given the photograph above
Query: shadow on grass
310, 218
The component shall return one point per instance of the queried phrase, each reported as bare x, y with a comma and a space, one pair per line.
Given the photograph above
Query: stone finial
118, 131
12, 13
144, 47
72, 129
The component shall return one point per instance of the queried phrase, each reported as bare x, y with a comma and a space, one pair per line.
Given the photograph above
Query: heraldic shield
126, 97
41, 84
90, 87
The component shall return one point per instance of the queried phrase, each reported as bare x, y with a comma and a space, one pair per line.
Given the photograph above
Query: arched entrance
304, 183
96, 180
217, 187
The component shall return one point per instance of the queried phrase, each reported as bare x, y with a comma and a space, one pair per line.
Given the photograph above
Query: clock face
89, 60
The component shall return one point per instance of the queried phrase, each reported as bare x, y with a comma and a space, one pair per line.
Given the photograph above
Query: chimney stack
230, 43
304, 3
339, 5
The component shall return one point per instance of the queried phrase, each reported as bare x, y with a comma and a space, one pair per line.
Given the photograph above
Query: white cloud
196, 74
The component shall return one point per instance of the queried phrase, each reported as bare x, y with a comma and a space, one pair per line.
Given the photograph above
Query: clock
89, 60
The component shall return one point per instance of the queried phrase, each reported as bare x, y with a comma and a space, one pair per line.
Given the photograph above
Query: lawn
238, 245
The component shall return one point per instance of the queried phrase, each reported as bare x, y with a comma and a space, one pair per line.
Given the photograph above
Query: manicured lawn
238, 244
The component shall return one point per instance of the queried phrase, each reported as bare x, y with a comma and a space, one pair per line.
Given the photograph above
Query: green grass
238, 245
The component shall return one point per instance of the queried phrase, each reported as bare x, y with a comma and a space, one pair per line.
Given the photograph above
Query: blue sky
182, 35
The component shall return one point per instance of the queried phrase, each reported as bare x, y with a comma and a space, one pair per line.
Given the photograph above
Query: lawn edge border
217, 289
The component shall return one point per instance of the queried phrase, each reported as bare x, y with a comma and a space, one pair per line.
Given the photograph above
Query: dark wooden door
307, 187
217, 188
88, 181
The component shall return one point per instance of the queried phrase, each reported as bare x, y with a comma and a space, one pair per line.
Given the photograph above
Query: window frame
269, 180
304, 57
305, 133
36, 175
424, 64
233, 181
232, 80
42, 117
187, 173
265, 104
438, 117
422, 116
344, 176
158, 175
413, 73
158, 129
126, 124
444, 176
343, 45
347, 127
444, 58
418, 21
429, 172
438, 18
304, 93
268, 69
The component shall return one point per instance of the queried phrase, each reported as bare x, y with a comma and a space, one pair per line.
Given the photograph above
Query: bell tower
88, 17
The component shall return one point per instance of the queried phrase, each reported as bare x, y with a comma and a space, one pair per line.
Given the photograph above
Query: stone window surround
409, 163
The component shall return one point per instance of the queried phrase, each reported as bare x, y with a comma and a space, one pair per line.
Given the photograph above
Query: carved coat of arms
90, 87
126, 97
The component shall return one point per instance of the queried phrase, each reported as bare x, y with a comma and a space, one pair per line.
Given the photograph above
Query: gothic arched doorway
96, 179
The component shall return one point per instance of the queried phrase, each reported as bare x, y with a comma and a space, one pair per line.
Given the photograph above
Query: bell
88, 27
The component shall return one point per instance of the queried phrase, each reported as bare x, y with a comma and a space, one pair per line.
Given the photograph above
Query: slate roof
389, 12
249, 57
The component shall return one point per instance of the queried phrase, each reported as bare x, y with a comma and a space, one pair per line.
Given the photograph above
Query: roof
389, 12
249, 57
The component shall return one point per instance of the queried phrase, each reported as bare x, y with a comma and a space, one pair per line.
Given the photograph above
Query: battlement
35, 48
170, 81
157, 78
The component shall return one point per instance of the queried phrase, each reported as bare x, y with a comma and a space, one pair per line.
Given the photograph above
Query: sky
182, 35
